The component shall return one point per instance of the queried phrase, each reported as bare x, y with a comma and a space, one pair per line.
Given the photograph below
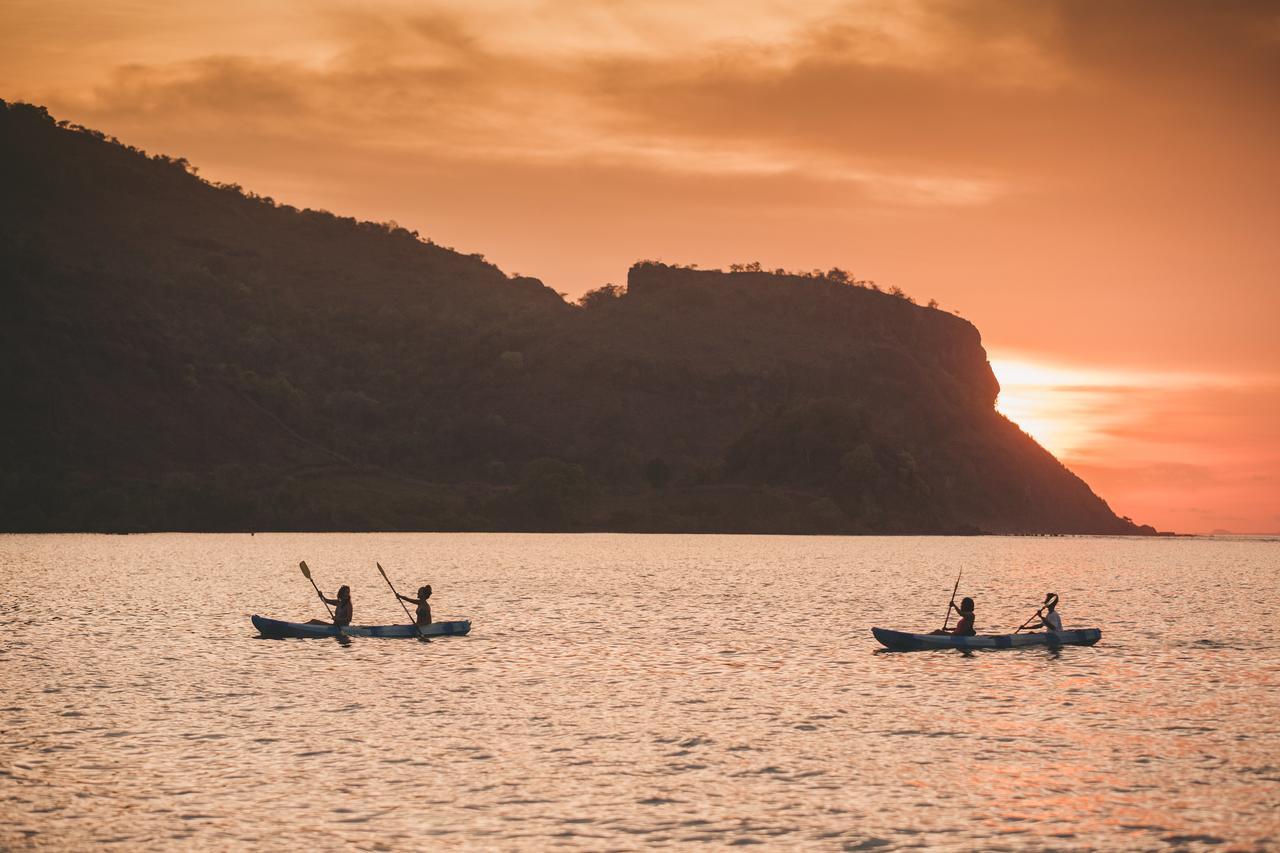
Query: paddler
424, 609
341, 605
1050, 619
964, 626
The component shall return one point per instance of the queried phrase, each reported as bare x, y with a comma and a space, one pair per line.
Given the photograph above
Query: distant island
182, 355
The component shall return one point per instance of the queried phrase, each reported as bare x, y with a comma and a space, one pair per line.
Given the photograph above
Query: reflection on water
624, 691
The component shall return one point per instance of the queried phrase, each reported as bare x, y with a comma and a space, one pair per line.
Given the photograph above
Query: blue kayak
903, 642
276, 629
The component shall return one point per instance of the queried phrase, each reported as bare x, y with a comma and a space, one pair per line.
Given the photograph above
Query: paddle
414, 622
1035, 615
947, 618
306, 573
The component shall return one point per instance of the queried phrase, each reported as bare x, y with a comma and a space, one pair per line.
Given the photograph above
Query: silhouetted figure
1051, 620
964, 626
341, 605
424, 609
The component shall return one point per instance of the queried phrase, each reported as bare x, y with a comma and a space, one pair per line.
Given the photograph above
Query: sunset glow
1055, 405
593, 424
1152, 442
1095, 186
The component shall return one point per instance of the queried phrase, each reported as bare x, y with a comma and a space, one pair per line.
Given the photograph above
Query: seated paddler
424, 609
1050, 618
964, 626
341, 605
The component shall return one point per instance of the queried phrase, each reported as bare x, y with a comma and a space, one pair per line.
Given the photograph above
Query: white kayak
302, 630
904, 642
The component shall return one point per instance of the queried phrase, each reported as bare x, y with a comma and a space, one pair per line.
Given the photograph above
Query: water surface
623, 691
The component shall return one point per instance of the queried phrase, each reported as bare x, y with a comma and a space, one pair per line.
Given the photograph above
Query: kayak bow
903, 642
276, 629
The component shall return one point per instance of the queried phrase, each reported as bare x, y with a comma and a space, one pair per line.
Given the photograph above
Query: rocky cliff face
817, 318
836, 402
184, 356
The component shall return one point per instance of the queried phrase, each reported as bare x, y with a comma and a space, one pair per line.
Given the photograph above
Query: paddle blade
306, 573
384, 574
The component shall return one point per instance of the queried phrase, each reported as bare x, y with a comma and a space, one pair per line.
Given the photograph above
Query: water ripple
624, 691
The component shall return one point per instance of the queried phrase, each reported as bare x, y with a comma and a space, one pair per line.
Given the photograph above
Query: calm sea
620, 692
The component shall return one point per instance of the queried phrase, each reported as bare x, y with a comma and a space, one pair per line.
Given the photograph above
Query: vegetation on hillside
185, 355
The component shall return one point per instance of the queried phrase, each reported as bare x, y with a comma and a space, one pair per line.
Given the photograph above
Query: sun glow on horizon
1151, 441
1062, 407
1070, 408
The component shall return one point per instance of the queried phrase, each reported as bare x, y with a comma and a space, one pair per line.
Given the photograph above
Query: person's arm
332, 601
408, 598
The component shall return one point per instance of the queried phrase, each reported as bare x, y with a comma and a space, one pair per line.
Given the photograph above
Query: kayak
302, 630
903, 642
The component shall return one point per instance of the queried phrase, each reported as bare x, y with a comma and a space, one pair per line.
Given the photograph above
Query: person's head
424, 592
966, 605
1051, 600
344, 592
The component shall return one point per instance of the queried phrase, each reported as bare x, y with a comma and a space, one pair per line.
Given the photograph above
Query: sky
1095, 185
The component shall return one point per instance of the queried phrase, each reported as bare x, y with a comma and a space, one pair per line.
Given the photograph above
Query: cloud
426, 87
1164, 475
926, 104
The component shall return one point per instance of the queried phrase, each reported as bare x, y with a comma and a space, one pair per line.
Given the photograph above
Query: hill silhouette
181, 355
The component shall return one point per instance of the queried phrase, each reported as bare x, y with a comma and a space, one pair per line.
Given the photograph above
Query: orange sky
1095, 185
